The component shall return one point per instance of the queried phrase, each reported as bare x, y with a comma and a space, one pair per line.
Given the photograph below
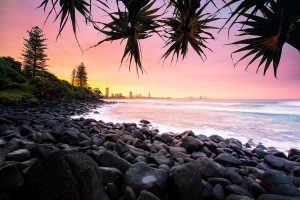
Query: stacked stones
47, 156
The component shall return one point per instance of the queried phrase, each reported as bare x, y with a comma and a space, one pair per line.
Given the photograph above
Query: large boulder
185, 182
191, 144
209, 168
19, 155
277, 182
64, 176
228, 159
141, 177
11, 178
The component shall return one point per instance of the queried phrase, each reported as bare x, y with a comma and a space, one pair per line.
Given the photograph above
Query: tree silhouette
34, 56
81, 76
266, 24
73, 77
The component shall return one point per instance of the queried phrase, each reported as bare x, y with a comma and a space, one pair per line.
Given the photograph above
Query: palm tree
266, 25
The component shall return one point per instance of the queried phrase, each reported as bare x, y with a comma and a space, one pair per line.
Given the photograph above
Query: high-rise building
107, 92
149, 95
130, 95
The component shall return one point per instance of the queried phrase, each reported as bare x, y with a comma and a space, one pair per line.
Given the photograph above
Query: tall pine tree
81, 76
73, 77
34, 56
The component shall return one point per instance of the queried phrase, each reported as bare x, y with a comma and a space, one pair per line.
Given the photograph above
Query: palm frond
188, 26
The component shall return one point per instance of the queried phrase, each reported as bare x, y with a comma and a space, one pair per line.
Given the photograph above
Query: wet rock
238, 197
43, 136
209, 168
235, 189
276, 197
145, 195
275, 162
64, 175
293, 152
71, 136
216, 138
129, 194
221, 181
110, 175
11, 178
112, 191
144, 121
19, 155
218, 193
206, 190
185, 182
233, 175
191, 144
138, 134
277, 182
106, 158
228, 159
142, 177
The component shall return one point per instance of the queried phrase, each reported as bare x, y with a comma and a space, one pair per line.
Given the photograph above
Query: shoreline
135, 162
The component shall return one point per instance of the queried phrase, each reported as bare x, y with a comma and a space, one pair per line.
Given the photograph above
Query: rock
218, 193
110, 175
11, 178
293, 152
216, 138
106, 158
64, 175
43, 136
112, 191
144, 121
191, 144
275, 162
138, 134
71, 136
276, 197
296, 171
259, 152
290, 165
209, 168
235, 189
238, 197
228, 159
185, 182
221, 181
277, 182
188, 133
206, 190
129, 194
142, 177
165, 138
145, 195
19, 155
198, 154
233, 175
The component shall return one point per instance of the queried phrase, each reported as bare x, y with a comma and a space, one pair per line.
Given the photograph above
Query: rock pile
49, 156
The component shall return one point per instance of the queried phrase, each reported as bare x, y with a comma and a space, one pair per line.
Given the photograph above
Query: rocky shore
46, 155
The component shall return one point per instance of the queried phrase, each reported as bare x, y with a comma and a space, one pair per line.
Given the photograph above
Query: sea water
274, 123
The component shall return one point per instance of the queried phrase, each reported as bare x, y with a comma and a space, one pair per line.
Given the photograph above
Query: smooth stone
43, 136
129, 194
112, 191
71, 136
235, 189
144, 121
276, 197
221, 181
228, 159
185, 182
206, 190
110, 175
19, 155
218, 193
293, 152
238, 197
106, 158
275, 162
142, 177
64, 175
234, 176
277, 182
216, 138
11, 178
145, 195
138, 134
209, 168
191, 144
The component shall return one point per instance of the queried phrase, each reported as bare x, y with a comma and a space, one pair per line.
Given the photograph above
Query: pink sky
214, 78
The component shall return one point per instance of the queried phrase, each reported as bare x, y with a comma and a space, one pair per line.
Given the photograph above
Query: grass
18, 92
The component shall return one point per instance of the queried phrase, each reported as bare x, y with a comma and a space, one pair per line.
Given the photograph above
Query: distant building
149, 95
130, 95
107, 92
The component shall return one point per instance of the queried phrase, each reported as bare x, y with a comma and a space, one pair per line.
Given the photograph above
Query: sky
215, 78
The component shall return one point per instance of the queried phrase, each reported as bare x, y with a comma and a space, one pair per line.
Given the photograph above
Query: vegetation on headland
264, 26
31, 81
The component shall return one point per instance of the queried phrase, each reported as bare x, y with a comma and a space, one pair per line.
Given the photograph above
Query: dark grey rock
71, 136
110, 175
276, 197
216, 138
234, 176
235, 189
191, 143
64, 175
19, 155
206, 190
11, 178
112, 191
238, 197
138, 134
228, 159
185, 182
106, 158
221, 181
209, 168
218, 193
142, 177
145, 195
275, 162
293, 152
277, 182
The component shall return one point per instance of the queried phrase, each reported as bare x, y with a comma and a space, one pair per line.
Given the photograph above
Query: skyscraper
107, 92
149, 95
130, 95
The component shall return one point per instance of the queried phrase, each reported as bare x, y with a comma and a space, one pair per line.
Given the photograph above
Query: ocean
274, 123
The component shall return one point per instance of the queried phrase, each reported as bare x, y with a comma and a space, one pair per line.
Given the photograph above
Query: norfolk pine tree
34, 56
81, 76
